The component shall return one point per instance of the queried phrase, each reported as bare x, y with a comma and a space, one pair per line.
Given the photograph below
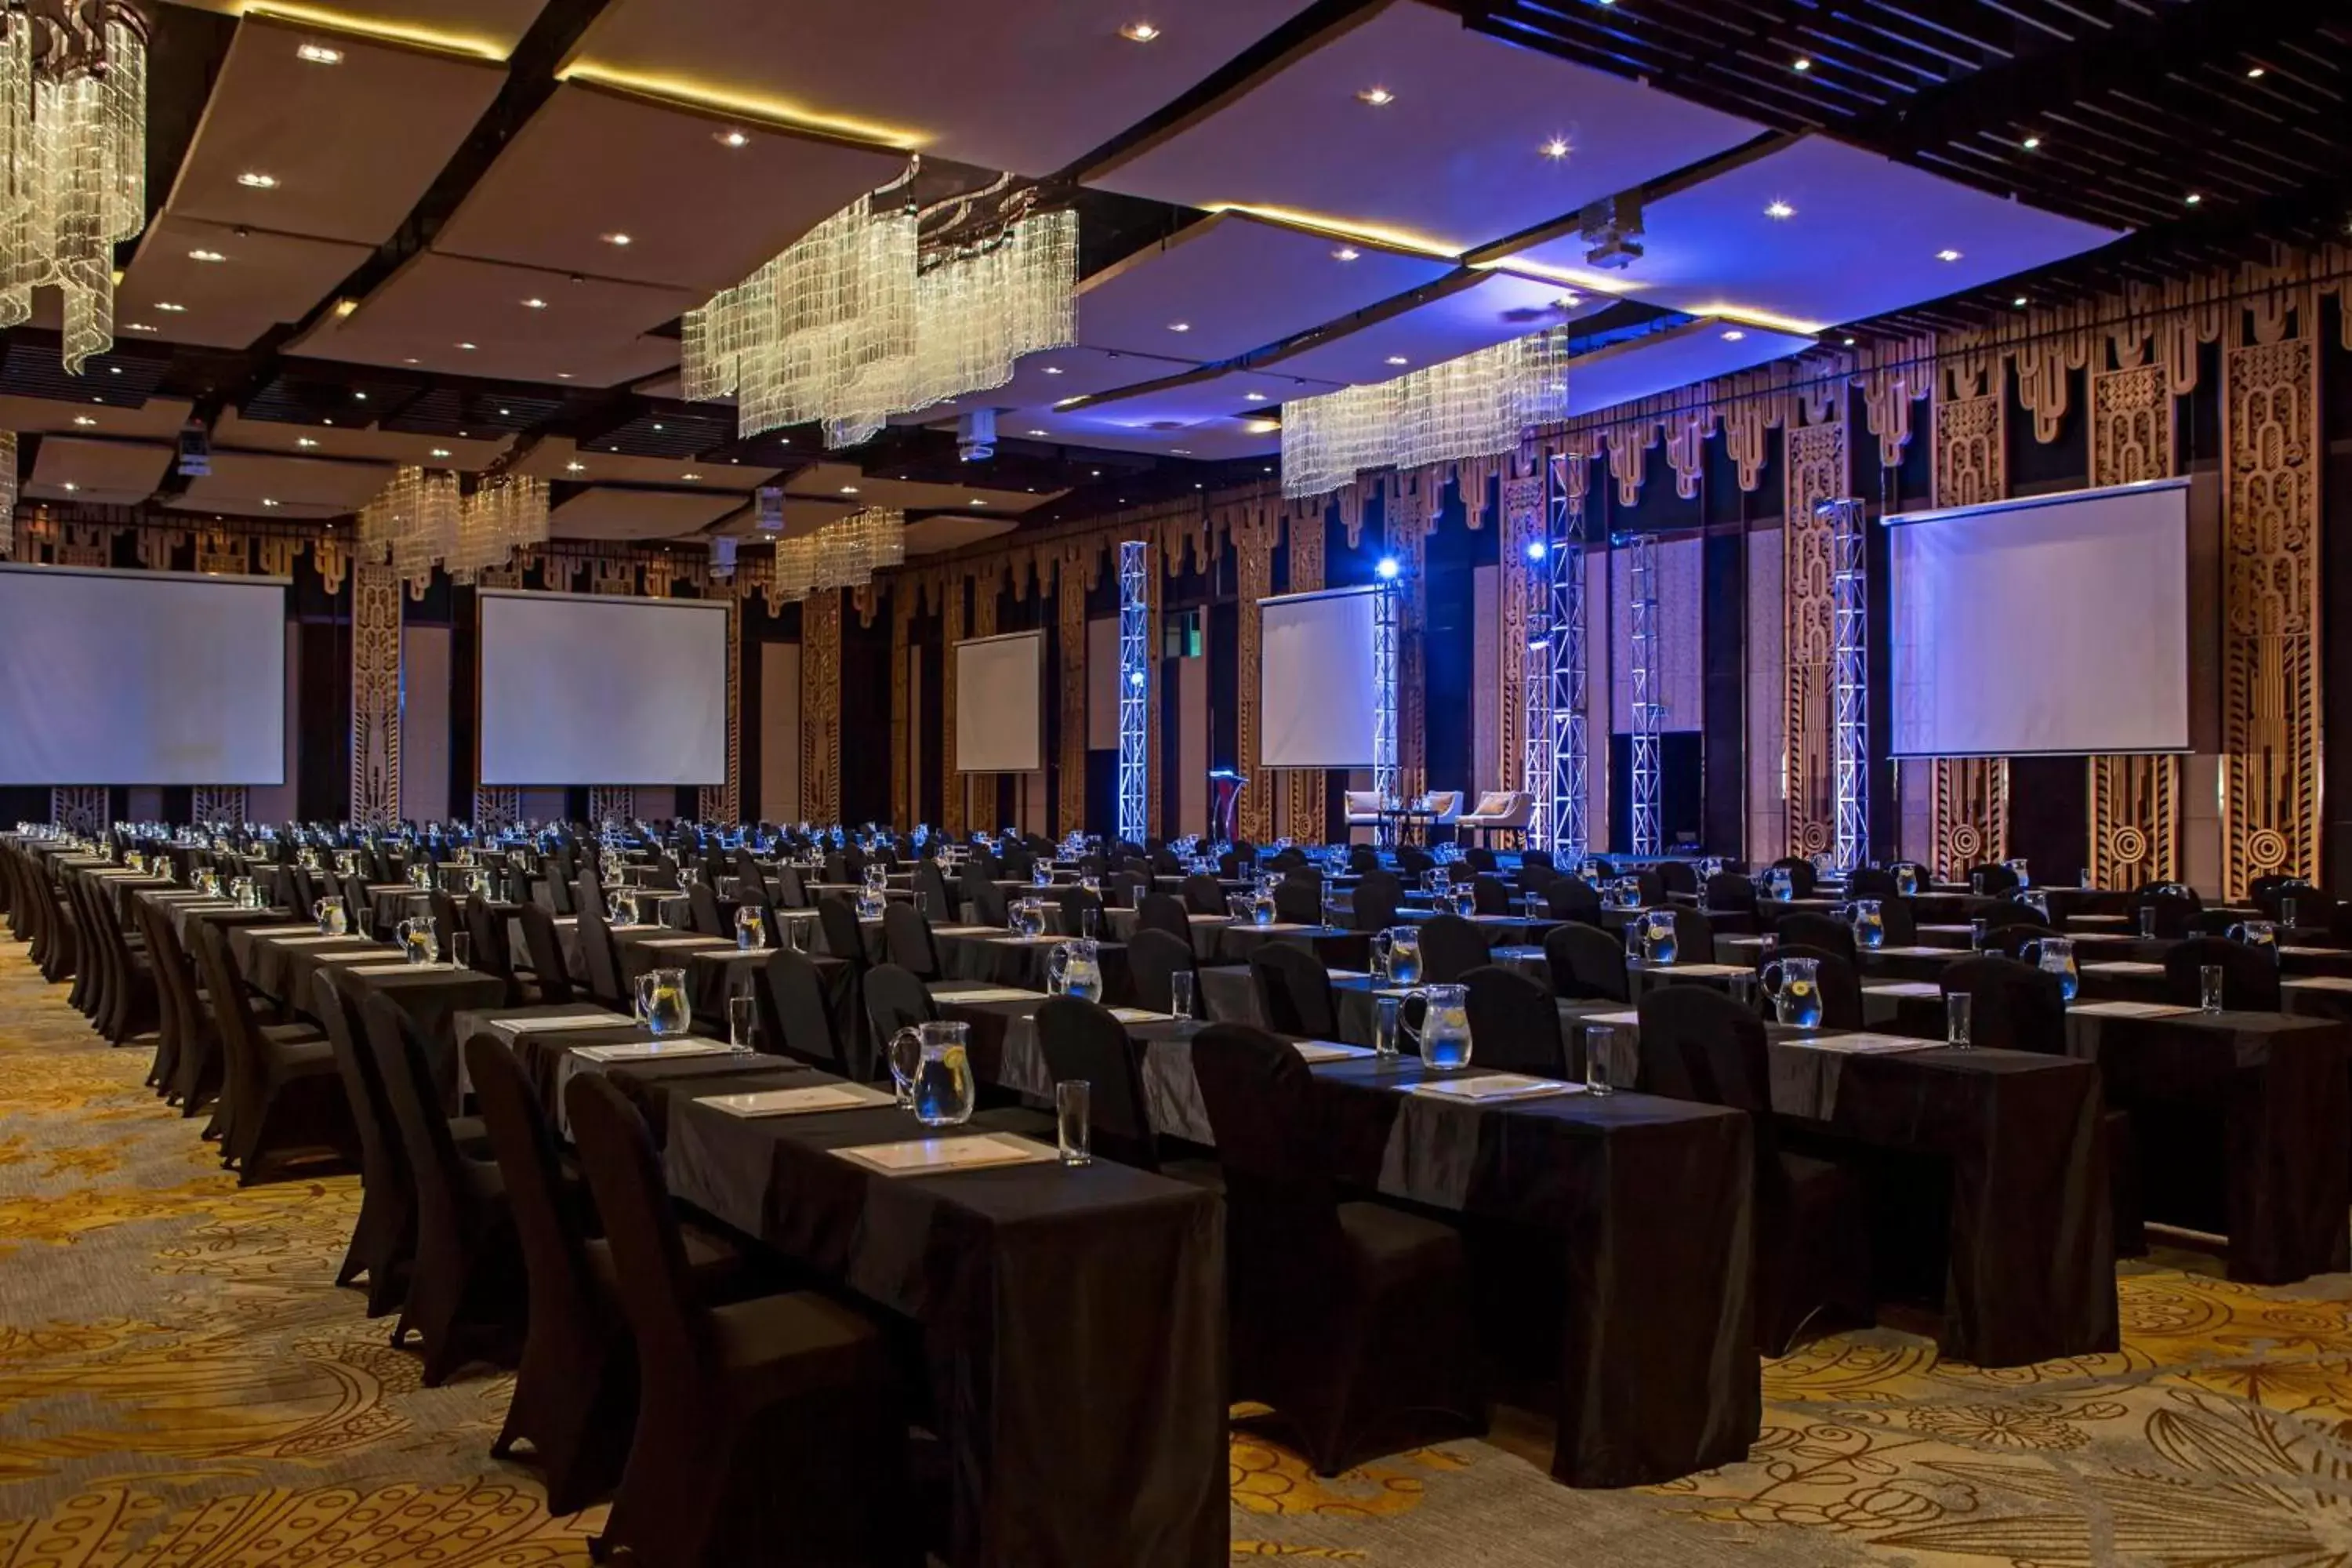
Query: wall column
375, 694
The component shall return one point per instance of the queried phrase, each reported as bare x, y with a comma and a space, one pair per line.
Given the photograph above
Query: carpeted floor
180, 1384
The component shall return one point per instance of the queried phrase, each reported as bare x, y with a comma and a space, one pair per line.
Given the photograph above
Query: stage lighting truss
1560, 790
1849, 680
1134, 691
1648, 692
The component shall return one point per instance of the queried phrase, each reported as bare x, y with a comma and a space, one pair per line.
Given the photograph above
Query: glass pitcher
208, 881
243, 892
624, 907
1464, 898
1026, 917
878, 876
2018, 865
932, 1068
1397, 951
1795, 985
1075, 969
2256, 933
1657, 929
751, 931
1443, 1037
870, 903
661, 997
1868, 918
1906, 880
2056, 955
1041, 873
135, 860
417, 939
329, 913
1780, 883
1261, 908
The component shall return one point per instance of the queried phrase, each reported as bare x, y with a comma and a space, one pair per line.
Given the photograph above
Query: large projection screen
999, 704
2054, 624
141, 678
588, 690
1316, 694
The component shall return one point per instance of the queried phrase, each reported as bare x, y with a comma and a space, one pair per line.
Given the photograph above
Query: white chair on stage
1444, 807
1499, 811
1361, 808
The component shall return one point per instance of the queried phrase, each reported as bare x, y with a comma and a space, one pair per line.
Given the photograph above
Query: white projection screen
578, 689
2054, 624
999, 704
141, 678
1316, 694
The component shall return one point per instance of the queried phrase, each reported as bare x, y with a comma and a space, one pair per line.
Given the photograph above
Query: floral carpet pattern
182, 1386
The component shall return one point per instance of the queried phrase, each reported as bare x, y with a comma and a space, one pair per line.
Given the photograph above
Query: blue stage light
1536, 550
1387, 569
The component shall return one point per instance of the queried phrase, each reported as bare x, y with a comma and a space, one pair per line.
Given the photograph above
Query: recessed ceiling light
1052, 369
2254, 73
206, 255
359, 397
1097, 473
1847, 342
1138, 32
2030, 144
2193, 198
305, 441
266, 501
1180, 326
1253, 396
534, 304
575, 467
1948, 255
110, 370
658, 426
2018, 301
467, 347
1567, 301
1260, 426
1398, 359
1556, 148
257, 181
320, 55
1802, 64
326, 421
167, 305
1182, 451
71, 486
616, 239
1040, 432
563, 375
503, 413
977, 502
730, 139
410, 360
691, 478
1780, 209
1734, 335
440, 451
849, 490
138, 327
1378, 97
84, 419
1346, 253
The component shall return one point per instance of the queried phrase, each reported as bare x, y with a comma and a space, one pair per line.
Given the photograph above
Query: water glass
1599, 1043
461, 949
2287, 911
1387, 1025
2209, 987
741, 1024
1956, 1021
2147, 923
1090, 922
1978, 930
1179, 993
1743, 991
1073, 1124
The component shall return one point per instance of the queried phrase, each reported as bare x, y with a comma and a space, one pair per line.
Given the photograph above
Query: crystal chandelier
844, 554
421, 519
883, 309
1474, 407
73, 159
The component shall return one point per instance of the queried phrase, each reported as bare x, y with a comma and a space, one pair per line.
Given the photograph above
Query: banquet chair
702, 910
987, 901
1811, 1233
492, 952
1534, 876
171, 1016
751, 877
384, 1237
1997, 878
1411, 860
57, 947
358, 907
1155, 958
82, 995
551, 977
197, 1063
1123, 889
931, 887
1293, 992
446, 920
466, 1293
1573, 898
1165, 912
1693, 936
2011, 938
1073, 901
1515, 1022
1203, 895
600, 958
770, 1430
1299, 896
279, 1091
1378, 894
1825, 934
1872, 882
1899, 918
1490, 895
1839, 980
1677, 877
1350, 1319
791, 893
907, 938
1587, 963
2250, 976
844, 934
1802, 876
795, 1015
1450, 948
895, 999
2174, 907
1289, 858
1080, 1039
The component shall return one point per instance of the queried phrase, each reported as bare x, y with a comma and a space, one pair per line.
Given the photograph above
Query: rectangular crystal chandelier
1473, 406
73, 159
421, 519
863, 317
843, 554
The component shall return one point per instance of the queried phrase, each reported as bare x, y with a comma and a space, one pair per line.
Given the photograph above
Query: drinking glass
461, 949
1743, 991
1179, 993
1956, 1021
1600, 1046
639, 995
2147, 923
1073, 1128
1388, 1024
1090, 922
750, 933
741, 1024
2209, 987
1978, 929
2287, 911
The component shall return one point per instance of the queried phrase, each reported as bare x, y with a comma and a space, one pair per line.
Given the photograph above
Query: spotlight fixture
70, 486
977, 502
440, 451
849, 490
255, 180
575, 467
1039, 432
467, 347
534, 304
1138, 32
305, 441
1611, 231
1557, 148
266, 501
206, 255
1378, 97
1847, 342
691, 478
1802, 64
1346, 253
1780, 209
320, 55
1051, 369
1180, 326
1567, 301
2256, 73
2030, 144
1398, 359
2018, 301
84, 419
1387, 569
1261, 427
359, 397
1537, 550
344, 306
2193, 198
1948, 255
730, 139
614, 238
1254, 398
1734, 335
137, 327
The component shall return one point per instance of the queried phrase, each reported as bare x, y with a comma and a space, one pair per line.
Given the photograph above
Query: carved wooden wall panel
1971, 465
79, 808
821, 707
1304, 815
221, 803
612, 803
2270, 626
1815, 469
1254, 538
375, 695
496, 807
1406, 522
724, 801
1972, 814
2134, 800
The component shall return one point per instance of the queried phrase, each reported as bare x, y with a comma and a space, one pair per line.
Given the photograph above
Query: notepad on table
798, 1102
651, 1051
399, 967
573, 1021
2127, 1009
296, 936
1492, 1086
1141, 1016
1626, 1018
2122, 967
684, 942
990, 994
1905, 988
2320, 983
1327, 1051
372, 954
1863, 1044
934, 1156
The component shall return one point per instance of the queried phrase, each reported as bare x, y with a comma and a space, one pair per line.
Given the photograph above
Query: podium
1226, 788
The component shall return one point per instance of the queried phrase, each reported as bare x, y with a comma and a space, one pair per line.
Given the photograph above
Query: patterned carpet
181, 1385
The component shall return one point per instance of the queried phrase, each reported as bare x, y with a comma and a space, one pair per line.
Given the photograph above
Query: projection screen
1316, 694
2056, 624
585, 690
141, 678
999, 704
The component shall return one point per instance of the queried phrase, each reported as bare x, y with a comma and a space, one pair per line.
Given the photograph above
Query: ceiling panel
99, 473
301, 487
1048, 377
1025, 85
262, 281
845, 485
1209, 419
1644, 367
1456, 157
587, 331
698, 212
350, 146
159, 419
488, 29
604, 512
234, 431
929, 535
558, 459
1231, 284
1861, 236
1490, 308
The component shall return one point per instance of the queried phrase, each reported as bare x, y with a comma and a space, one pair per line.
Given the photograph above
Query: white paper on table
372, 955
1742, 941
397, 967
1349, 974
1141, 1016
1863, 1043
651, 1051
1328, 1050
1905, 988
1493, 1086
1030, 940
1717, 970
964, 931
2318, 983
2121, 966
990, 994
1957, 931
798, 1102
930, 1156
1210, 919
568, 1021
309, 931
684, 942
292, 940
2129, 1009
2312, 952
1628, 1017
1912, 952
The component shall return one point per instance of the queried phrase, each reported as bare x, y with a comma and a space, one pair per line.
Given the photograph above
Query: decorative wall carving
1814, 469
1305, 815
1972, 814
375, 695
1407, 521
1970, 466
79, 808
2134, 800
821, 707
218, 803
903, 805
496, 809
723, 802
1255, 534
612, 803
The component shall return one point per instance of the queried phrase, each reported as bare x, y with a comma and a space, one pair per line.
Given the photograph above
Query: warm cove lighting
753, 105
370, 28
1343, 228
